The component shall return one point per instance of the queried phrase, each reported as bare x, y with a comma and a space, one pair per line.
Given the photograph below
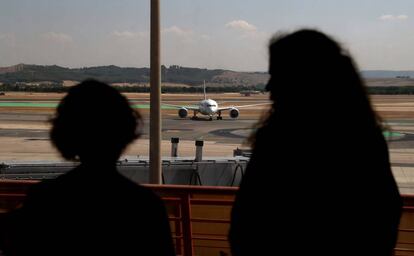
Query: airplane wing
243, 106
178, 107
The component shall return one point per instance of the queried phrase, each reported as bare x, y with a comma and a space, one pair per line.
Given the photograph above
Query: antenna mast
204, 87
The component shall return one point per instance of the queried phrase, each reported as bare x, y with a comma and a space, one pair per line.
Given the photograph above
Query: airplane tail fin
204, 88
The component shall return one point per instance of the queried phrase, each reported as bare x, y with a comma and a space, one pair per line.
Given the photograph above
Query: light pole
155, 95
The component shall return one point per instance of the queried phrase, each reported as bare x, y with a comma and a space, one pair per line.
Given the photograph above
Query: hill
387, 74
175, 75
114, 74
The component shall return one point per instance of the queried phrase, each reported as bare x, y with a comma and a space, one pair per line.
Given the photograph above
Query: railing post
187, 228
179, 230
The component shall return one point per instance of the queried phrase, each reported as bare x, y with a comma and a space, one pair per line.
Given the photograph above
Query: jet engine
182, 112
234, 113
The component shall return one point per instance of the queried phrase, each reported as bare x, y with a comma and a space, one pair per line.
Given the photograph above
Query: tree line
59, 88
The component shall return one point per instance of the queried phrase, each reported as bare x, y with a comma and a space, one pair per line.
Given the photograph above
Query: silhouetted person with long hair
92, 209
319, 180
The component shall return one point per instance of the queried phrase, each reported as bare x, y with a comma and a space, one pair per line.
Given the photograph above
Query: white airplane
209, 107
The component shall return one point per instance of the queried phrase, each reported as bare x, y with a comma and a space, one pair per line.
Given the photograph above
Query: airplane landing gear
194, 116
219, 117
211, 118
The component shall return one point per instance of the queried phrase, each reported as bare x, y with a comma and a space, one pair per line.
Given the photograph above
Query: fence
200, 216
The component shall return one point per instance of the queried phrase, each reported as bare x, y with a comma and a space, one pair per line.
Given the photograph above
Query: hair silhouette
92, 209
94, 122
319, 180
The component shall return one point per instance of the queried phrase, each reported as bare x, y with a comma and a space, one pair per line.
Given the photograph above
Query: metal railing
405, 243
200, 216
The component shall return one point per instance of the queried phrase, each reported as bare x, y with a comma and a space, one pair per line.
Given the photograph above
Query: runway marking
54, 105
28, 104
147, 106
390, 134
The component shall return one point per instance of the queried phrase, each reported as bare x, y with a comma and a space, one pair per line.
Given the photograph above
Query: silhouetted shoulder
82, 183
106, 213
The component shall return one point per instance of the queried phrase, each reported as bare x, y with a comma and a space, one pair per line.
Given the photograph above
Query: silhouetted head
315, 85
312, 75
94, 122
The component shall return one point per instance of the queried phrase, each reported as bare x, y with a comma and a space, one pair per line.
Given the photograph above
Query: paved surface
36, 126
24, 130
24, 125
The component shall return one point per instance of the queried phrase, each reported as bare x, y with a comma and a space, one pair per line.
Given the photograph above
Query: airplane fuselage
208, 107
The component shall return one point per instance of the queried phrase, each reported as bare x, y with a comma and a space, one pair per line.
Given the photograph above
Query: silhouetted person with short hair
319, 180
92, 209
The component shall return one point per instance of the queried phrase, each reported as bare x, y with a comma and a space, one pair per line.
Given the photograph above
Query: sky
213, 34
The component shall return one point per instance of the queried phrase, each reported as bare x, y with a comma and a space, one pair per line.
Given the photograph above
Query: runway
24, 125
24, 128
24, 120
36, 126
